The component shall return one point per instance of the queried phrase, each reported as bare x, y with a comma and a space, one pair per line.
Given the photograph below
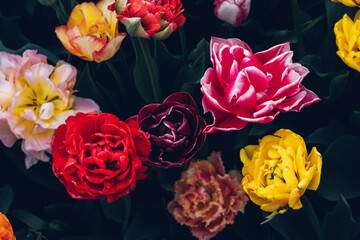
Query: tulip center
102, 32
46, 111
273, 172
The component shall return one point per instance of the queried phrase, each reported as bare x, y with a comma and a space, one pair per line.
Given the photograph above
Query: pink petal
307, 100
7, 137
269, 54
267, 107
64, 76
213, 93
278, 67
85, 105
222, 121
258, 79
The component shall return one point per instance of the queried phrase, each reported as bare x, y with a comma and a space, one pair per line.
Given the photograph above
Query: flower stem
297, 25
313, 217
60, 14
231, 31
183, 42
153, 76
118, 79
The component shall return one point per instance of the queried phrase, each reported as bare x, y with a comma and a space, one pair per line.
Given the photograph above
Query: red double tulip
98, 155
149, 18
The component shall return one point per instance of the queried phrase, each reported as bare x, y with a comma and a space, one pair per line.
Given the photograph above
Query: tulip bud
232, 11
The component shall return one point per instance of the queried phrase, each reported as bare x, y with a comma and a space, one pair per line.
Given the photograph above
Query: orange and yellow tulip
91, 32
6, 231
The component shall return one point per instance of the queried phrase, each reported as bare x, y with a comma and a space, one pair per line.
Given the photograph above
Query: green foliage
7, 197
340, 223
119, 211
146, 72
339, 162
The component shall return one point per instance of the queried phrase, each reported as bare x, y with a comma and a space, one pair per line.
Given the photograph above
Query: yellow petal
91, 15
76, 17
294, 197
290, 178
270, 207
297, 205
246, 154
303, 184
315, 159
61, 33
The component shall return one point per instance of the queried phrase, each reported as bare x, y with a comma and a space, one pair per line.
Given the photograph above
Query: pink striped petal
109, 49
268, 55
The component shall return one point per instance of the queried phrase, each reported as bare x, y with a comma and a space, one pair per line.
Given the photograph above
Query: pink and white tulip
232, 11
244, 87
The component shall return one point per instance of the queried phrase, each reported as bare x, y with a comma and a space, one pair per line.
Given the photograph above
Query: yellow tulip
347, 34
91, 32
279, 170
350, 3
6, 231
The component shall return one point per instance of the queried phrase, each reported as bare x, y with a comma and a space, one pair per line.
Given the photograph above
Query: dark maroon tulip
174, 128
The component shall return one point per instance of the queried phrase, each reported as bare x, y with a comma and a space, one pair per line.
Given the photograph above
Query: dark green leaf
340, 223
314, 63
339, 162
6, 198
150, 221
119, 211
87, 87
259, 129
29, 234
16, 38
190, 74
86, 216
163, 56
142, 75
202, 47
58, 210
337, 86
41, 173
326, 135
293, 224
28, 219
198, 67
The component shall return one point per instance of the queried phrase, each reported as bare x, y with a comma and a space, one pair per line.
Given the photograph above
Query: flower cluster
245, 87
35, 99
98, 155
206, 198
149, 18
279, 170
